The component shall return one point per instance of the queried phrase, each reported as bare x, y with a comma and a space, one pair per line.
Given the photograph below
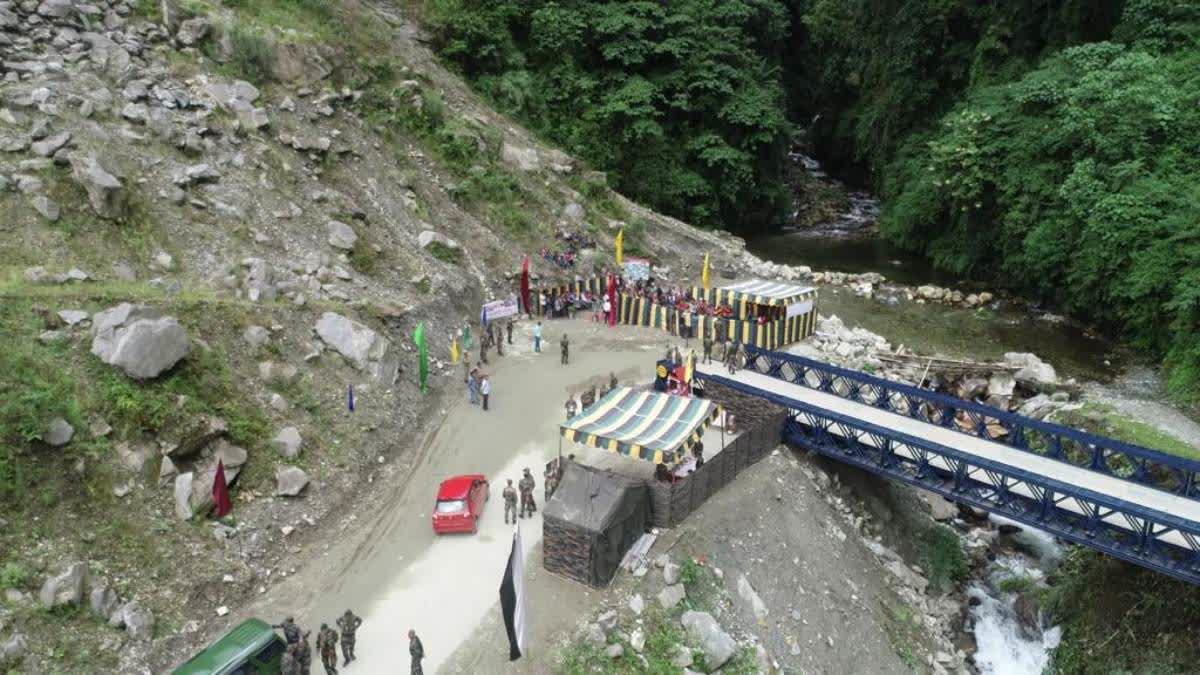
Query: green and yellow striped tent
642, 424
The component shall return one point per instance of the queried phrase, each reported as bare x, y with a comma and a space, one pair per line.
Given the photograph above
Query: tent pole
724, 419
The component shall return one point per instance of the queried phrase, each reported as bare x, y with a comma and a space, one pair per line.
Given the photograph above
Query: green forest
1050, 146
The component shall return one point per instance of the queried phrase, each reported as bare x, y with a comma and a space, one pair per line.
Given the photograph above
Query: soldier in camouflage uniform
349, 624
417, 651
304, 654
291, 632
527, 504
288, 664
587, 398
327, 641
510, 502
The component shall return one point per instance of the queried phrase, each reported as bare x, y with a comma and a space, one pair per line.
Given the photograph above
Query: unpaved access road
392, 570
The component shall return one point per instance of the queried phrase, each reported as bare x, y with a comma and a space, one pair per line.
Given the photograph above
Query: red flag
525, 285
221, 491
612, 299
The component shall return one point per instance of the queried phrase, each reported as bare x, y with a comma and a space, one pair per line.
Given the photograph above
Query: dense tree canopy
682, 102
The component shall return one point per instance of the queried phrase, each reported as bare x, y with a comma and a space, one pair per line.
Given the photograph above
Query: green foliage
363, 257
682, 104
14, 575
1137, 608
444, 253
942, 557
250, 54
1051, 147
201, 384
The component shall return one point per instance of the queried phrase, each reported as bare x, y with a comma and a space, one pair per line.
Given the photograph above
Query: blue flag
350, 398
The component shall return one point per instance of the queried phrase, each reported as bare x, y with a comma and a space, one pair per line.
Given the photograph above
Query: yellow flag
454, 350
691, 367
704, 274
621, 246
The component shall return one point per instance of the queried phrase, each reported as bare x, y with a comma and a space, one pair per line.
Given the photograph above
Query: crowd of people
297, 656
572, 244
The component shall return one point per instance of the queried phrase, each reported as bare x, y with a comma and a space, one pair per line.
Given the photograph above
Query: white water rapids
1004, 646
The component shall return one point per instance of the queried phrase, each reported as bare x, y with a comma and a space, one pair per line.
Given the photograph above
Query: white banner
798, 308
500, 309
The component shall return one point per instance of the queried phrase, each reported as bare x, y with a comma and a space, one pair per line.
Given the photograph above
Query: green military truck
252, 648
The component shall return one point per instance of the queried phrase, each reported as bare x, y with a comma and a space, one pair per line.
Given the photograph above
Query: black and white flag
512, 598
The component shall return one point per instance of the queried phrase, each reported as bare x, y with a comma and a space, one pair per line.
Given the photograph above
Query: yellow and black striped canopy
647, 425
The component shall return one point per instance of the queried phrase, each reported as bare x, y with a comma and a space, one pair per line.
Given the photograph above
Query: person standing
537, 337
327, 640
612, 380
416, 650
473, 385
484, 343
565, 349
510, 502
528, 506
571, 407
304, 654
288, 664
349, 624
708, 345
698, 452
291, 632
485, 388
607, 309
509, 329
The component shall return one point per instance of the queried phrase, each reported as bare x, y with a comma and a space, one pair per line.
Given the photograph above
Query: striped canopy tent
758, 292
647, 425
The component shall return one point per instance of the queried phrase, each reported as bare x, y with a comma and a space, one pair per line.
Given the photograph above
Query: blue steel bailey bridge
1129, 502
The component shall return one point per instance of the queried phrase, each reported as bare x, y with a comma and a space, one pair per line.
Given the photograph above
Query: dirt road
392, 570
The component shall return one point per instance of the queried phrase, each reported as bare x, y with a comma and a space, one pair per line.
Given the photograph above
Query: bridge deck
1111, 486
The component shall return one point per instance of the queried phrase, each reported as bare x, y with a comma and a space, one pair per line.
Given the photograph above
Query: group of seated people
572, 245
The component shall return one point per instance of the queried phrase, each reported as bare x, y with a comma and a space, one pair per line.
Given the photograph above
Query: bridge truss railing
1122, 529
1177, 475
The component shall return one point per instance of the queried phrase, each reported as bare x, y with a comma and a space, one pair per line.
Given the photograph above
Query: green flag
422, 354
466, 336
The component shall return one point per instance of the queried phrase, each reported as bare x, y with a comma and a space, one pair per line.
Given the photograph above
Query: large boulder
299, 63
138, 340
717, 645
137, 620
363, 347
1032, 371
66, 588
522, 157
232, 457
183, 495
105, 191
341, 235
288, 442
199, 434
290, 481
12, 651
59, 432
671, 596
103, 601
193, 31
749, 596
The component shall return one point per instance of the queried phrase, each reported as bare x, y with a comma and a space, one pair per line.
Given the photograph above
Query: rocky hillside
218, 218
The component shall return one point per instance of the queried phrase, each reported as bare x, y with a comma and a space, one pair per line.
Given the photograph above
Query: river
1109, 373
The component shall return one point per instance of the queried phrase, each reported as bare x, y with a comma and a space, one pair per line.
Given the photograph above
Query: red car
459, 504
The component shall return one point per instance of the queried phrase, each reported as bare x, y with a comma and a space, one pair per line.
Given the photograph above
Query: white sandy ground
393, 571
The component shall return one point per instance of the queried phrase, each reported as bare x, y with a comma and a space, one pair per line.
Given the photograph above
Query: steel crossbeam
1131, 532
1177, 475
